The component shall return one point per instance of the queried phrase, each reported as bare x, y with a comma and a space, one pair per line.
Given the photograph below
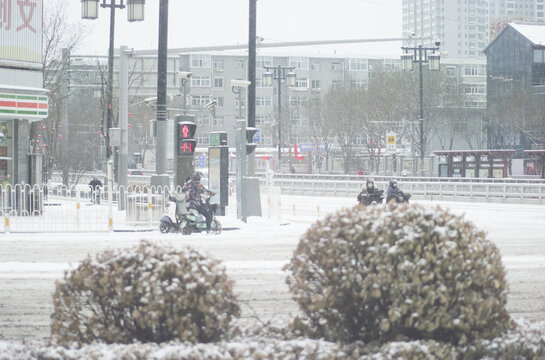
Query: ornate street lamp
135, 10
420, 55
89, 10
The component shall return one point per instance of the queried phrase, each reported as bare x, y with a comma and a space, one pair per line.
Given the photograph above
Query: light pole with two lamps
279, 73
135, 12
419, 54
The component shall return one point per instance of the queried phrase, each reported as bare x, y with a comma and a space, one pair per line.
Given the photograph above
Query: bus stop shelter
474, 163
535, 164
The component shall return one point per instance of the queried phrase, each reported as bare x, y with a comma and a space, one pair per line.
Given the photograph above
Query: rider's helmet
197, 176
370, 184
393, 183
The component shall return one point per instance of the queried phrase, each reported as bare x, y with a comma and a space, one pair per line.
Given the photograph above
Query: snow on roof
533, 32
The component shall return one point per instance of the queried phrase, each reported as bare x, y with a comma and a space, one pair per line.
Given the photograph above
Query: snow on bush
525, 341
149, 293
398, 272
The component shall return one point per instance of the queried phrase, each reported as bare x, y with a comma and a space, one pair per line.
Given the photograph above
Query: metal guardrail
533, 193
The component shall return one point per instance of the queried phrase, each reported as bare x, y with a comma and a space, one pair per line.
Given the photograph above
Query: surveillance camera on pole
211, 106
184, 75
240, 83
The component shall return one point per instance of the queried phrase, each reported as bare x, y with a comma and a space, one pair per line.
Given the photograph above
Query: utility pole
161, 177
251, 78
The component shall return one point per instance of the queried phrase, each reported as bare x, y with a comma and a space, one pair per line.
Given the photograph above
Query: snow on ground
253, 254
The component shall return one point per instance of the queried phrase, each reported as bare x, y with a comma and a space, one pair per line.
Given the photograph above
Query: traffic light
185, 135
250, 145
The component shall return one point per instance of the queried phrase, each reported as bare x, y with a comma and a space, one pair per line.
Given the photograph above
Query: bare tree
344, 113
58, 34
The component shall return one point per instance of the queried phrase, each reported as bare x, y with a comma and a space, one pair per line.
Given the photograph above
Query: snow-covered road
254, 255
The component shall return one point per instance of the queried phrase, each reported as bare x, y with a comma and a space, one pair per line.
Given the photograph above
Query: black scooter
364, 198
399, 197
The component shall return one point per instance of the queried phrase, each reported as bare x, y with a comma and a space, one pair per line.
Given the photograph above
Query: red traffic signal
187, 147
186, 130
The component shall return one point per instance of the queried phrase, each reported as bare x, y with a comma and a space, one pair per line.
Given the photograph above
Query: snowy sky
221, 22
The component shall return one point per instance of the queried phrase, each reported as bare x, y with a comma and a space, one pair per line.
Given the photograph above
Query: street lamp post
89, 10
420, 55
279, 73
161, 178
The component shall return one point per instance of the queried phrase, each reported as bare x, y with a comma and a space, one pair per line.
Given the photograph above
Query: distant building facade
211, 81
516, 74
465, 27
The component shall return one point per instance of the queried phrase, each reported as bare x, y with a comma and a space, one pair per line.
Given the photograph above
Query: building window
200, 100
315, 66
240, 64
263, 119
203, 118
260, 83
474, 70
203, 139
474, 89
218, 65
218, 83
358, 83
298, 101
262, 61
335, 66
300, 120
357, 64
315, 84
200, 81
299, 62
217, 121
263, 101
301, 82
200, 61
538, 56
237, 104
451, 71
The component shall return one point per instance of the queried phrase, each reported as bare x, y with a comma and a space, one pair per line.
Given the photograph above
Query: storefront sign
21, 30
27, 106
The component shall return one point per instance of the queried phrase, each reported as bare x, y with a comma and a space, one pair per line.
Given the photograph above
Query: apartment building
464, 27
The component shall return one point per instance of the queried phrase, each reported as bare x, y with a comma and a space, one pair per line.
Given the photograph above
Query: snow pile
148, 293
398, 273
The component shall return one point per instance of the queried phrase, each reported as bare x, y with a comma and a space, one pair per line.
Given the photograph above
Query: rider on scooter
195, 190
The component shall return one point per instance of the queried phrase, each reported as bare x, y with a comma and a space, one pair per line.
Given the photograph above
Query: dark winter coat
94, 184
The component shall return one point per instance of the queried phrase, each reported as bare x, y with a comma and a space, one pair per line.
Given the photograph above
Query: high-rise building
464, 28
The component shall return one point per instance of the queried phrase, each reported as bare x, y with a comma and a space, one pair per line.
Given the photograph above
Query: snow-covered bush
398, 272
149, 293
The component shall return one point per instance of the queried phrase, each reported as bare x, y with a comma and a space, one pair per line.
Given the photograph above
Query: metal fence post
150, 208
110, 188
78, 209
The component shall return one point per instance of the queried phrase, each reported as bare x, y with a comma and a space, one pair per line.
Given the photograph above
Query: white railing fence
58, 208
515, 192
